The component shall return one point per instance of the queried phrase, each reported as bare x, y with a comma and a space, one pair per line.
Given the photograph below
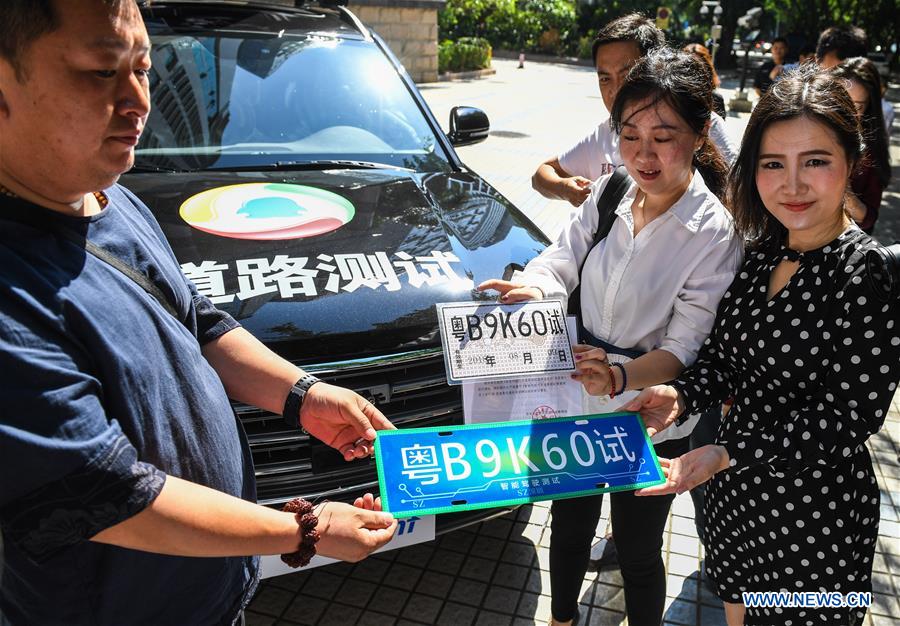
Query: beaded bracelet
624, 377
612, 381
309, 536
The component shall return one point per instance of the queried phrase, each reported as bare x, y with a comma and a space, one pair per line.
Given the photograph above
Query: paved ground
531, 122
496, 572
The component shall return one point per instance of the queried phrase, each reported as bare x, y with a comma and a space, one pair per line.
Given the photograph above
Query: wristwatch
295, 398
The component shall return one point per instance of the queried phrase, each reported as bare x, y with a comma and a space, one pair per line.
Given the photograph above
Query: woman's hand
659, 406
593, 369
511, 292
368, 502
689, 470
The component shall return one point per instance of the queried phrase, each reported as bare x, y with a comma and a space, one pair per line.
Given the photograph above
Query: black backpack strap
607, 204
79, 240
135, 275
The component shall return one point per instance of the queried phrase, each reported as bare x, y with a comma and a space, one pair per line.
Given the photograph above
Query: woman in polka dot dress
812, 358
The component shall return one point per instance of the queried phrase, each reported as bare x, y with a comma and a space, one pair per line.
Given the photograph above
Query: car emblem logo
267, 211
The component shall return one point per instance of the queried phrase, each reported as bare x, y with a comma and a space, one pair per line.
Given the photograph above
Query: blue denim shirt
102, 395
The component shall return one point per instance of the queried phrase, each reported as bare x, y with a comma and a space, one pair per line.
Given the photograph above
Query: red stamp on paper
543, 412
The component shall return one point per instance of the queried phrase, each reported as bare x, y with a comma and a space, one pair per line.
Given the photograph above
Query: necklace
101, 198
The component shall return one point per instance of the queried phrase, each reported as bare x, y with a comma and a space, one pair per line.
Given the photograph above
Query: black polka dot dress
812, 372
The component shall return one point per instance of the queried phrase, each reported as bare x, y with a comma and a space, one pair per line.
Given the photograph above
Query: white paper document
537, 396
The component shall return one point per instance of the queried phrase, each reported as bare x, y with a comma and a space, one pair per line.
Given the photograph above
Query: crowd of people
776, 350
707, 275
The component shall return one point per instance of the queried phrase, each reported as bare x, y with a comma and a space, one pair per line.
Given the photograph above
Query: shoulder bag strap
607, 204
136, 276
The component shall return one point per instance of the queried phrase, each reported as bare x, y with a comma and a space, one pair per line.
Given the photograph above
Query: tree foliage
464, 54
524, 24
879, 18
529, 25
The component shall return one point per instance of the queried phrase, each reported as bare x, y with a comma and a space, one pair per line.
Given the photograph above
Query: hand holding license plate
425, 471
490, 341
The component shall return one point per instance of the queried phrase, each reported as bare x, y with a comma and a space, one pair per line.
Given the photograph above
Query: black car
306, 188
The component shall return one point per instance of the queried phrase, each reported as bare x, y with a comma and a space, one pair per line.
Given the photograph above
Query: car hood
390, 244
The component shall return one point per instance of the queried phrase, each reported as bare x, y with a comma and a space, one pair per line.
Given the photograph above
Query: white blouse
659, 290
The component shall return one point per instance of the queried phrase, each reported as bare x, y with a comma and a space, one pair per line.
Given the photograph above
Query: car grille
410, 389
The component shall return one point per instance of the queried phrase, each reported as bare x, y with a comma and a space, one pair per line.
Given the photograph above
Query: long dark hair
875, 150
684, 82
806, 92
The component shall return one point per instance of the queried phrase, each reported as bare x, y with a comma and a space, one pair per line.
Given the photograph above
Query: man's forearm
251, 372
187, 519
547, 182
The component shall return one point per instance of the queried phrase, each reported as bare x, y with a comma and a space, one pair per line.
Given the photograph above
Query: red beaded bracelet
309, 536
612, 381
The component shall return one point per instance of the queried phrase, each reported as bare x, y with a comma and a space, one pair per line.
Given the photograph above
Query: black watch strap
681, 419
685, 415
294, 400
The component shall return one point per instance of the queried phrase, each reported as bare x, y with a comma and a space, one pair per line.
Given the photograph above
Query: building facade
409, 27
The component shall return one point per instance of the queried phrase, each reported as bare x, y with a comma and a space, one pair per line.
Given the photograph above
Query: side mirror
468, 125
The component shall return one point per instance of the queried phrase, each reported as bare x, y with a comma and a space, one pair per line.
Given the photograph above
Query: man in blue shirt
122, 462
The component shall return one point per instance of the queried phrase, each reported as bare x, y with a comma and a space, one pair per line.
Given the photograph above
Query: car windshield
240, 100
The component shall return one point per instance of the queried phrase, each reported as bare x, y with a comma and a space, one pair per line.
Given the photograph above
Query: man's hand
511, 292
351, 533
552, 181
659, 406
342, 419
593, 370
187, 519
575, 190
689, 470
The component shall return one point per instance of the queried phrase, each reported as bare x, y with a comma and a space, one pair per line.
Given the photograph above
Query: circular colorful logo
267, 211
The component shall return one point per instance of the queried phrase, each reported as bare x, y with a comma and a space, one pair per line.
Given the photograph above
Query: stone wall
409, 27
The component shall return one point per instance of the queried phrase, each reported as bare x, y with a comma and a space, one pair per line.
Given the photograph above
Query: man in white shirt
617, 47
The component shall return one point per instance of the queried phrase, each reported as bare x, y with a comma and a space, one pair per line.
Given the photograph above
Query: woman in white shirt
651, 286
